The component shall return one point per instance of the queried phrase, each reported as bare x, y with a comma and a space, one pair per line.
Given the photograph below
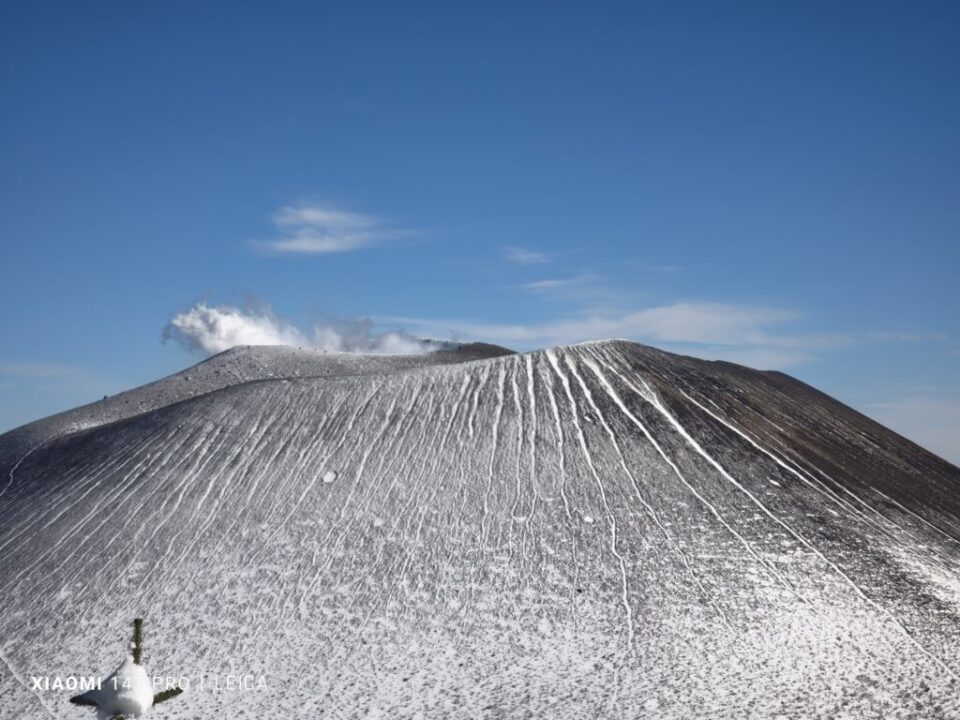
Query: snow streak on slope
596, 531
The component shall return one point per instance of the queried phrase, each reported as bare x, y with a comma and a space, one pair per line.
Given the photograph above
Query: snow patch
128, 691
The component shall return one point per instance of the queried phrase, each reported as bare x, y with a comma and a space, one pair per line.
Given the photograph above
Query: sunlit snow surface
599, 531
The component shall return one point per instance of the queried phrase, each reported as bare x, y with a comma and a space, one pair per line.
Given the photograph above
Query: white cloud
213, 329
762, 358
543, 286
580, 287
755, 336
930, 420
699, 323
319, 229
318, 216
523, 256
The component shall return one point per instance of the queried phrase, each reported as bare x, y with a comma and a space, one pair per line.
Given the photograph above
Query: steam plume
214, 328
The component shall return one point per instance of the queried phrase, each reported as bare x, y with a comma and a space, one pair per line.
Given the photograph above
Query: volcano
598, 531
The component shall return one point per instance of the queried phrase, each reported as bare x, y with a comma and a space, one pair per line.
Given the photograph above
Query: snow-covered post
129, 690
137, 639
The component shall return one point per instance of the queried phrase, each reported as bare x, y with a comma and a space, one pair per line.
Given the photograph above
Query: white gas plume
212, 329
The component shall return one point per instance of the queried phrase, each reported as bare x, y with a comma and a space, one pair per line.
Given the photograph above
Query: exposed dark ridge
811, 424
478, 350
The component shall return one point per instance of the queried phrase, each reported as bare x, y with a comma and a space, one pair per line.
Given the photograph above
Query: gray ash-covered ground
603, 530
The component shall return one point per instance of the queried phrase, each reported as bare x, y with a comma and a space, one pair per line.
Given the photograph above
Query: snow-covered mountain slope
604, 530
235, 366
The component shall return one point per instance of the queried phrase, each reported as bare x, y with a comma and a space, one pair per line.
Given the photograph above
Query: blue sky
772, 183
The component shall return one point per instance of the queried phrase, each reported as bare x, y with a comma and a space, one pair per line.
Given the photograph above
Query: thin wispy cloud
756, 336
585, 292
312, 229
562, 286
680, 322
525, 256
